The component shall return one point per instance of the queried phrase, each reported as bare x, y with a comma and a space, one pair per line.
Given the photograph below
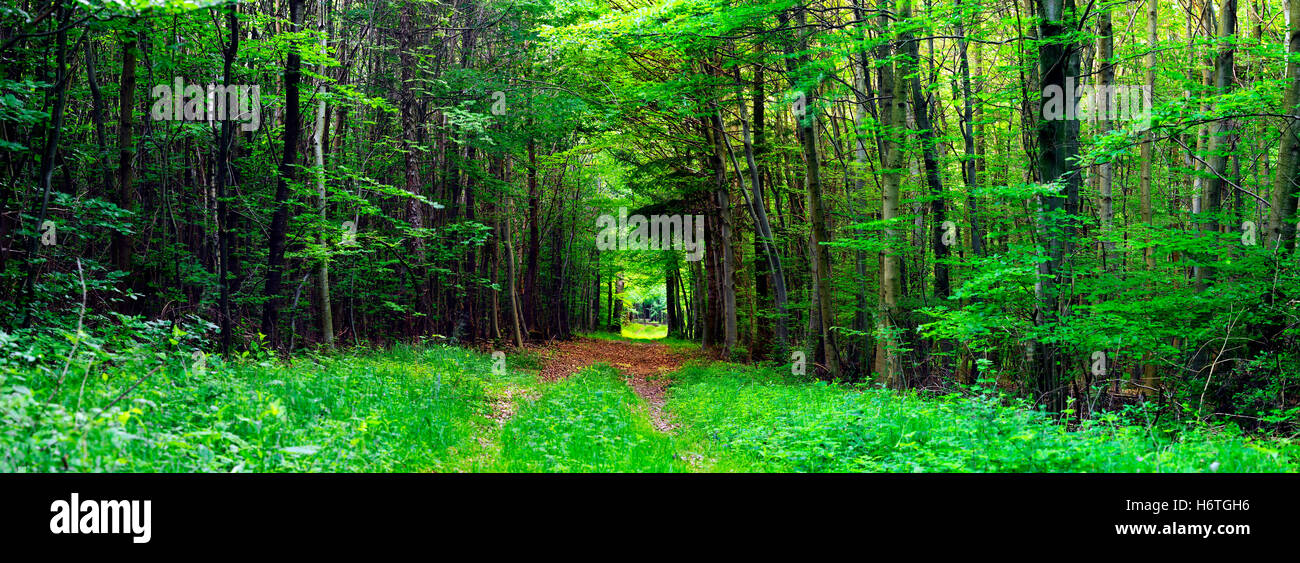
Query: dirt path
644, 364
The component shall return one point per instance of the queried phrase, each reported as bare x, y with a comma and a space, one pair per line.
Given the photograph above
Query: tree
1281, 229
225, 146
893, 94
322, 204
1058, 148
822, 307
287, 173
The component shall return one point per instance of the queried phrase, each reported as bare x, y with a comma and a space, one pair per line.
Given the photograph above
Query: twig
1201, 405
76, 342
132, 387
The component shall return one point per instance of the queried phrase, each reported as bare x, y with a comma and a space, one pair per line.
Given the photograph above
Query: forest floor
602, 402
689, 413
646, 366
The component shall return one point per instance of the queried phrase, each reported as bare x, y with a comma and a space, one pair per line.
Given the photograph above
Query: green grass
633, 332
429, 409
752, 419
675, 345
589, 422
405, 409
644, 332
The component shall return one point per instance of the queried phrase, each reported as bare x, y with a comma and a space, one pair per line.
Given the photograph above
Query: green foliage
589, 422
408, 409
755, 420
644, 332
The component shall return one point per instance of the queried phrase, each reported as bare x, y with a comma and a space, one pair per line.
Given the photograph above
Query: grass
589, 422
432, 409
751, 419
632, 333
644, 332
406, 409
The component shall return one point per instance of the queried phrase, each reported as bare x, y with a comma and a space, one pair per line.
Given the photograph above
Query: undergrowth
588, 422
140, 409
756, 419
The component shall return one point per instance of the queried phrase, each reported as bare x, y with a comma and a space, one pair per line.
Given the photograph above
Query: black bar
305, 513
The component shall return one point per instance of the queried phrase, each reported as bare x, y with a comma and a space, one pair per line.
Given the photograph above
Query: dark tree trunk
287, 173
224, 175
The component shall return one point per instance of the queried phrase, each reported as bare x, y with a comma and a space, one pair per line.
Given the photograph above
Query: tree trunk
727, 287
969, 165
122, 243
1105, 171
534, 240
322, 204
1144, 189
893, 94
411, 164
758, 212
53, 132
1286, 182
288, 172
224, 176
822, 305
516, 332
1057, 148
1220, 129
933, 178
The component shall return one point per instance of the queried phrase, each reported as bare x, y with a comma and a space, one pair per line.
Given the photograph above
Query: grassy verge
589, 422
634, 333
751, 419
407, 409
441, 408
644, 332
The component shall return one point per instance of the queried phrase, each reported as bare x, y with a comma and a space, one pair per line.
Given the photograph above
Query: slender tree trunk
516, 322
1198, 199
322, 203
1144, 189
224, 176
822, 305
616, 308
728, 287
97, 113
53, 133
860, 348
933, 178
411, 163
969, 164
758, 212
534, 240
1105, 170
122, 243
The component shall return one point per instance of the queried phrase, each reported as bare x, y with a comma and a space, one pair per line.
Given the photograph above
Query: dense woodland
883, 188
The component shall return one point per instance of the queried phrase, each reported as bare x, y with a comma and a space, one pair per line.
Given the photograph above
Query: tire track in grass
591, 422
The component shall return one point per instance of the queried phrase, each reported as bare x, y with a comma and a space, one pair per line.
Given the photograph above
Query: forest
649, 235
